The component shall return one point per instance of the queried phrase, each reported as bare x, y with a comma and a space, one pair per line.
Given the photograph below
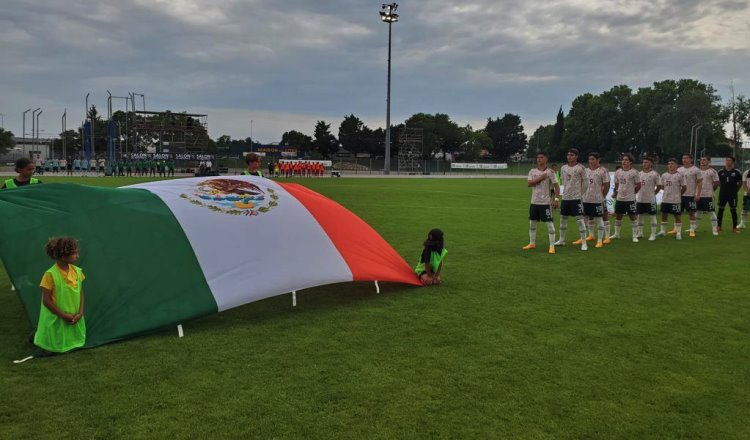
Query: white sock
563, 227
714, 221
532, 231
693, 224
664, 227
551, 233
636, 229
678, 227
581, 227
606, 228
618, 225
590, 225
653, 225
640, 224
600, 227
744, 216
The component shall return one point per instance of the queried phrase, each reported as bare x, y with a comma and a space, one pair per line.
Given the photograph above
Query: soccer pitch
633, 341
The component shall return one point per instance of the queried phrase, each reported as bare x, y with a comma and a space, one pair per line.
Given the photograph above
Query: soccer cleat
590, 238
691, 234
551, 249
736, 230
559, 243
607, 241
584, 247
578, 242
635, 239
715, 231
529, 246
672, 232
599, 244
614, 236
660, 234
741, 225
678, 236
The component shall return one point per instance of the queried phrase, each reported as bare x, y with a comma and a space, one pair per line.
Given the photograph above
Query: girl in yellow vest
431, 261
61, 325
25, 169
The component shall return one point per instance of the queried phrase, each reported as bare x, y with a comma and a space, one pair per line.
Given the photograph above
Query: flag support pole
377, 288
294, 298
180, 333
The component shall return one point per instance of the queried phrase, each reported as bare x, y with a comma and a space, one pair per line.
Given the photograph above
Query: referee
730, 181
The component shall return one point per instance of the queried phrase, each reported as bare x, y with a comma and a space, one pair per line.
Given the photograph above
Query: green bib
52, 333
435, 260
247, 173
10, 183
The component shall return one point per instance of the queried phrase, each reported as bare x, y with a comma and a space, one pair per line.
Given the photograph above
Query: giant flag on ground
157, 254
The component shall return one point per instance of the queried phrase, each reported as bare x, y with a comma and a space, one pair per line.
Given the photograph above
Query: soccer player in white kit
745, 199
708, 184
674, 187
692, 177
540, 179
646, 197
626, 187
574, 185
593, 198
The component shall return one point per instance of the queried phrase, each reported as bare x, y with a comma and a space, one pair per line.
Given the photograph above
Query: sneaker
551, 249
652, 237
599, 244
590, 238
529, 247
678, 236
584, 247
559, 243
691, 234
607, 241
578, 242
660, 234
672, 232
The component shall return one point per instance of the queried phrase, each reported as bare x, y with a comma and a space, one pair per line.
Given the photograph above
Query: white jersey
596, 180
692, 175
627, 181
574, 181
649, 182
540, 194
673, 184
746, 182
708, 177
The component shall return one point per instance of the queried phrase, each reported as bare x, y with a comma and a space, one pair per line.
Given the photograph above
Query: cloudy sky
285, 64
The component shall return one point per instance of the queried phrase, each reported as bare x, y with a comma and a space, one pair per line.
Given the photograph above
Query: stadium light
388, 15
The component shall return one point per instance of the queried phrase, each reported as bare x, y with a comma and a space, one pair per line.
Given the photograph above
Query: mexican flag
160, 253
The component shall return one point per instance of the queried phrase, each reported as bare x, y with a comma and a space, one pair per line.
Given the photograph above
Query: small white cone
180, 333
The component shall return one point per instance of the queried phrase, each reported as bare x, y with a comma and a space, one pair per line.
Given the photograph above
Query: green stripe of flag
141, 272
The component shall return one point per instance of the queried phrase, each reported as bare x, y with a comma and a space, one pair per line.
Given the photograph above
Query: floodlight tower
388, 15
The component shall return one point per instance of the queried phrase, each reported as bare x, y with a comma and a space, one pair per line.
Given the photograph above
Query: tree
6, 141
324, 142
742, 110
542, 140
352, 134
555, 141
72, 142
439, 133
476, 141
508, 137
295, 139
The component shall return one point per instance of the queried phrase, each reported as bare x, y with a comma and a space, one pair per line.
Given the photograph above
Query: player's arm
617, 186
538, 180
698, 188
683, 188
637, 185
77, 317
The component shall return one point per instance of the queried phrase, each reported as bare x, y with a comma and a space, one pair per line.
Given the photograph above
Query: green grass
633, 341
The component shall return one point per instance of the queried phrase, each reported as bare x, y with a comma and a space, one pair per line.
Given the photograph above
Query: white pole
377, 288
180, 333
294, 298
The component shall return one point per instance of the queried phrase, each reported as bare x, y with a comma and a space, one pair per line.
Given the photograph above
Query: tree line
655, 120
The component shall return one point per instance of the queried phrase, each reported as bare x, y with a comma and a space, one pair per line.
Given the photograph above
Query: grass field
645, 340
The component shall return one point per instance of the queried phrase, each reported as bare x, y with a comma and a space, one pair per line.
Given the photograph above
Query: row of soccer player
685, 189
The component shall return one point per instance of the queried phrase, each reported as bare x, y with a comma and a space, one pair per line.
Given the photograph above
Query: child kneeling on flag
431, 261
